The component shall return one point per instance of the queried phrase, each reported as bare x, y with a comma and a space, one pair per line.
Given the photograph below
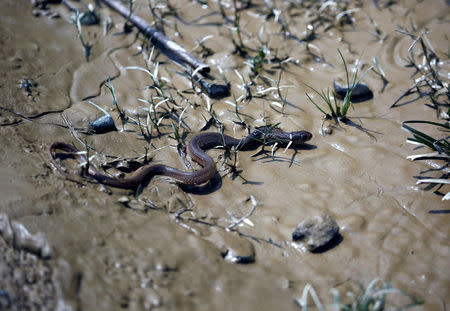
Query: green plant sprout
256, 63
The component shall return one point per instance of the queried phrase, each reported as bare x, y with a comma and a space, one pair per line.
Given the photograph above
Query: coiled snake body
195, 149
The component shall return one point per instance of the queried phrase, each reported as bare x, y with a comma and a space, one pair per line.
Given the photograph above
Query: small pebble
102, 125
216, 91
326, 131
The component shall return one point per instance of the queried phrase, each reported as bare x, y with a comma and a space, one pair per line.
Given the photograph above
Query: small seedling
379, 70
236, 105
86, 45
177, 136
256, 63
122, 115
239, 47
246, 86
146, 131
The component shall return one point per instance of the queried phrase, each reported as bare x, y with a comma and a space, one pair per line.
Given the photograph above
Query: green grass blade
327, 100
346, 69
317, 106
444, 125
442, 146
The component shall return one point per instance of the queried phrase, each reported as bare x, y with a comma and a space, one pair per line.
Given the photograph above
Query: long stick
164, 44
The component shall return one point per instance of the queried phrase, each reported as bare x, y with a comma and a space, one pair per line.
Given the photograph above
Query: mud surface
166, 249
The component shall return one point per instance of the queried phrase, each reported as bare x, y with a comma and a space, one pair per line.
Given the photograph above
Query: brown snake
196, 147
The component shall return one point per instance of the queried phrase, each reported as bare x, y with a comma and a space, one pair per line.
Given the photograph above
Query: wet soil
166, 249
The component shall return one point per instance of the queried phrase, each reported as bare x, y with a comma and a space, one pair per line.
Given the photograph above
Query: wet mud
227, 245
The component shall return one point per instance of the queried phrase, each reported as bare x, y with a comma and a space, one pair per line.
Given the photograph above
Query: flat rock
316, 232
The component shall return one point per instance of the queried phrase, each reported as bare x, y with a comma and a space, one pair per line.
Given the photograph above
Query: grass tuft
335, 110
429, 81
441, 148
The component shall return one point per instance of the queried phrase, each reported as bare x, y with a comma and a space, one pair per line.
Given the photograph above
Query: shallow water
168, 254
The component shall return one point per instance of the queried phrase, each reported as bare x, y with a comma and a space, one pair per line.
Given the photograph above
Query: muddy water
164, 250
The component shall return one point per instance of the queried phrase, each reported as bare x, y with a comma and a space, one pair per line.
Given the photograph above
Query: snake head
271, 135
300, 137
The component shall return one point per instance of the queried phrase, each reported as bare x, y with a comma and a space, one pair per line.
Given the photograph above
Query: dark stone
89, 18
215, 91
317, 232
104, 124
361, 92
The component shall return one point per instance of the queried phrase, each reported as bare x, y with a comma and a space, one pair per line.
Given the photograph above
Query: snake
196, 149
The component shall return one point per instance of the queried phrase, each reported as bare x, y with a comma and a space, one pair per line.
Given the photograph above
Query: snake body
196, 149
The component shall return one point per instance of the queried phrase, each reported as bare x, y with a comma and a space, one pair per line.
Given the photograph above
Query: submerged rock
316, 232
